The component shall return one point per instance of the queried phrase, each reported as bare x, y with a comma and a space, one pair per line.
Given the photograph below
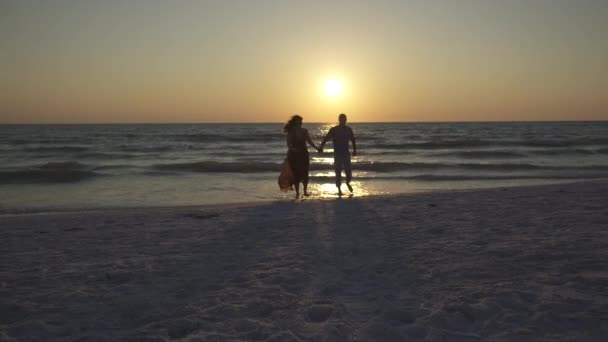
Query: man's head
342, 119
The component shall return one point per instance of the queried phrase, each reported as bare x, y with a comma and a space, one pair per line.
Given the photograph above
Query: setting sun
333, 88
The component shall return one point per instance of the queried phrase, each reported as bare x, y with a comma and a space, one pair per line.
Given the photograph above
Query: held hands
320, 150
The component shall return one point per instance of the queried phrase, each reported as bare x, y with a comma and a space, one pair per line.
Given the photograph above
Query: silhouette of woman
297, 154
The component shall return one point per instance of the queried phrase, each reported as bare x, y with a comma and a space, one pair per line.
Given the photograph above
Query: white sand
517, 264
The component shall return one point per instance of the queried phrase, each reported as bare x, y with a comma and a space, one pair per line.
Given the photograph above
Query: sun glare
333, 88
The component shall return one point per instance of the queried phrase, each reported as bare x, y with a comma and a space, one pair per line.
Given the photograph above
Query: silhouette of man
340, 136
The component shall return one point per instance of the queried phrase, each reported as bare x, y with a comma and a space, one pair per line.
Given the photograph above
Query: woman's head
295, 121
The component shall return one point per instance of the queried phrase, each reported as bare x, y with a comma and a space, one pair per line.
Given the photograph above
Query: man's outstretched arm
327, 136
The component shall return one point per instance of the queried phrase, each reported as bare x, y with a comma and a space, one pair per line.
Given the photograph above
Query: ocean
70, 167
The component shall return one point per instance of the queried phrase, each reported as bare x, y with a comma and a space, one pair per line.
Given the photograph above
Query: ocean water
62, 167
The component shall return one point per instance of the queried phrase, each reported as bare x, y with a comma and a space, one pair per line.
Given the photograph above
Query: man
340, 136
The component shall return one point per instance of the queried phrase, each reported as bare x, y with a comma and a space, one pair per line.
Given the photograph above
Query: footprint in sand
319, 313
181, 328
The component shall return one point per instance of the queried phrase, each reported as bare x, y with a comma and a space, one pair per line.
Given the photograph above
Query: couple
297, 155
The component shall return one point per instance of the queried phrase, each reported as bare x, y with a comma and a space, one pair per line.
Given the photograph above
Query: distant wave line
71, 171
476, 143
253, 167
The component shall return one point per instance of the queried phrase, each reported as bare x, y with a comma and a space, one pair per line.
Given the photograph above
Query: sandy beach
505, 264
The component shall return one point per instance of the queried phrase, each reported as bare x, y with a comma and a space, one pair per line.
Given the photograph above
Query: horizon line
279, 122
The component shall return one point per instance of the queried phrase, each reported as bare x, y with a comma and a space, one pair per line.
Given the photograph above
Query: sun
333, 88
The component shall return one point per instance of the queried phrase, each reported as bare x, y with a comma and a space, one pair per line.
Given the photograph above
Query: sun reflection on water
321, 130
323, 160
329, 190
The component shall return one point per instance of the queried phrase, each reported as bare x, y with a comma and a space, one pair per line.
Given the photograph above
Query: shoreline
520, 263
346, 197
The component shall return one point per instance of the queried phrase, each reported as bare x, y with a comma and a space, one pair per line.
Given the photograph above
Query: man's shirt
340, 136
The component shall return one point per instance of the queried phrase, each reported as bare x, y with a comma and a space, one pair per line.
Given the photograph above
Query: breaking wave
52, 172
253, 167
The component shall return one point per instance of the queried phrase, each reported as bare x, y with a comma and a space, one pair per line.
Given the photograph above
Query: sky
112, 61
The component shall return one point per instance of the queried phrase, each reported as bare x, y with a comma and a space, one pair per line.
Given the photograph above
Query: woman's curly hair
292, 123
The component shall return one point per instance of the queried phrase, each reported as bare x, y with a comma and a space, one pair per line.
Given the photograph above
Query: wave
602, 151
566, 143
243, 154
115, 167
372, 151
146, 149
45, 176
220, 167
244, 138
475, 143
428, 144
254, 167
72, 171
562, 152
480, 154
36, 139
447, 178
107, 155
66, 165
66, 148
501, 167
443, 178
51, 172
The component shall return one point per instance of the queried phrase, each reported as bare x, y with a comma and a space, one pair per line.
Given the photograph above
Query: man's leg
349, 172
338, 170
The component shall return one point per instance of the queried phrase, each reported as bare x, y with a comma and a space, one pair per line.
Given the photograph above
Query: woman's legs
299, 164
305, 174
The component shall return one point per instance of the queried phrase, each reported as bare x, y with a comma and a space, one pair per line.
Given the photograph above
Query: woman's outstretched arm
309, 140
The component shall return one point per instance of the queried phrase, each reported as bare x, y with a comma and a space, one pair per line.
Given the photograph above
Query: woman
297, 154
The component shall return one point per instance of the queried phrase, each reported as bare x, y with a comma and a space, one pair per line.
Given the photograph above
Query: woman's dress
298, 157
